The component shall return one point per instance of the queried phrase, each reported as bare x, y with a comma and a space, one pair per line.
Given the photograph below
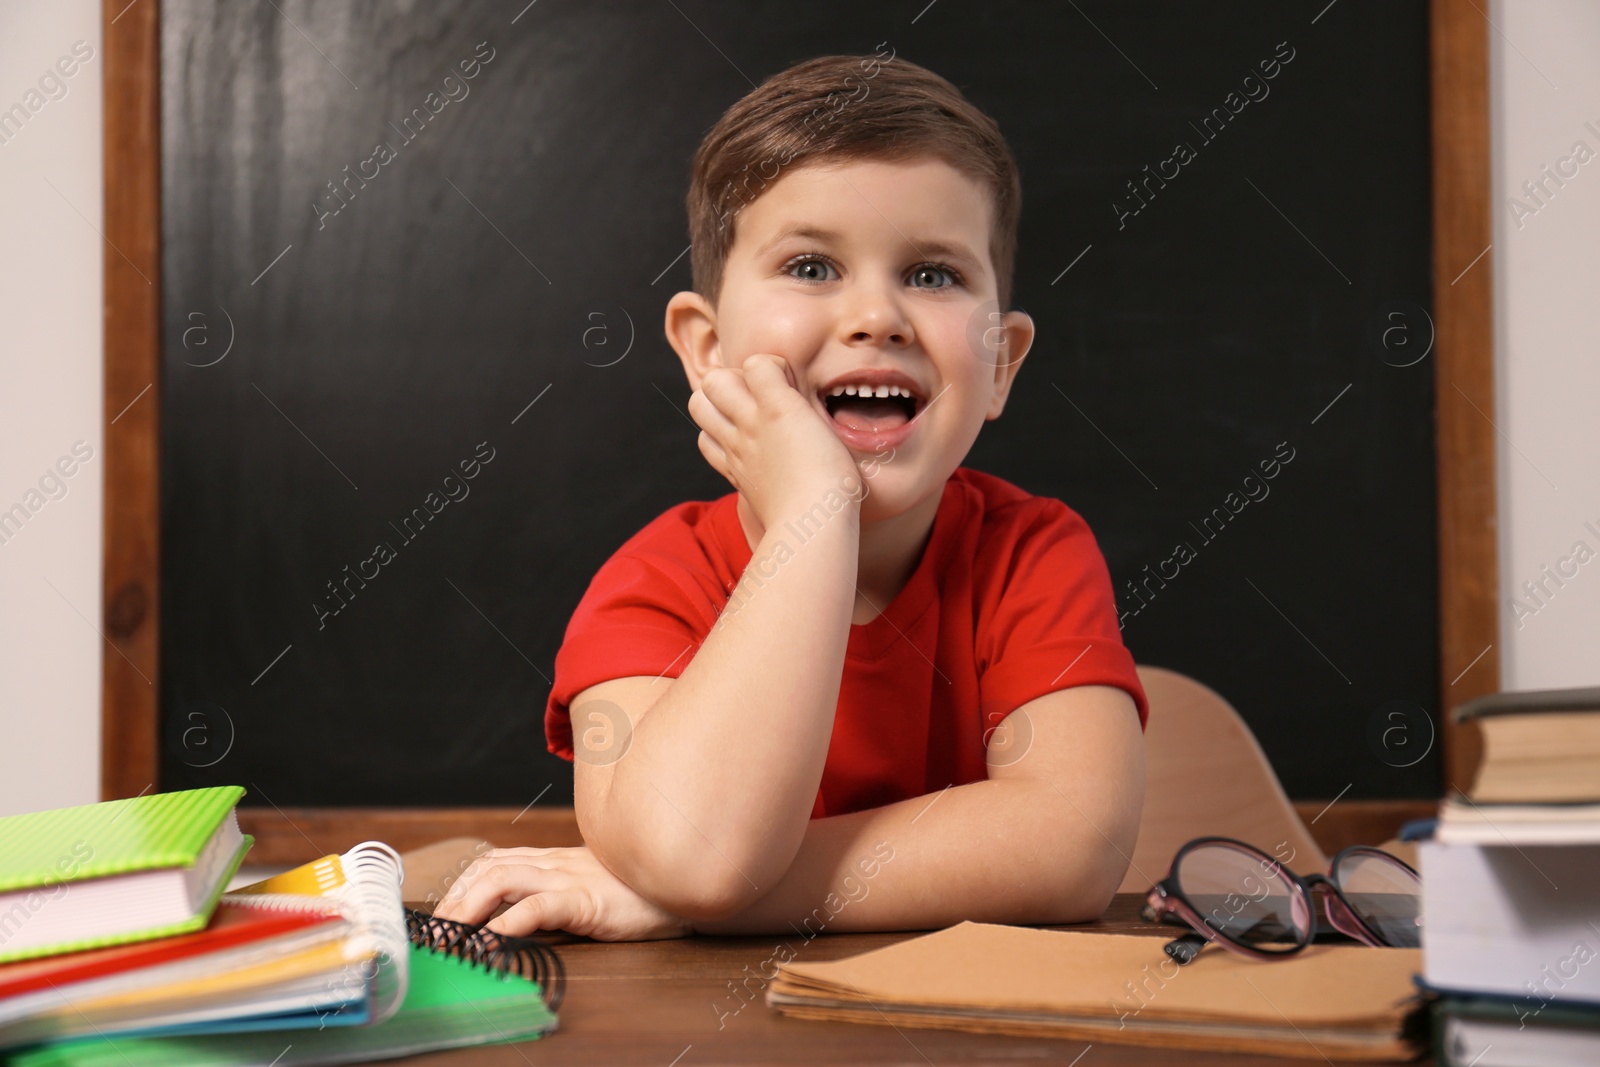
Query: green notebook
118, 871
449, 1003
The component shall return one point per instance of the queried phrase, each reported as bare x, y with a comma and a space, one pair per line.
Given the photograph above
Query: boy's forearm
1016, 851
719, 780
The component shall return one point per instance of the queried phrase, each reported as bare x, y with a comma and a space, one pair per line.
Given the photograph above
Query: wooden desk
656, 1004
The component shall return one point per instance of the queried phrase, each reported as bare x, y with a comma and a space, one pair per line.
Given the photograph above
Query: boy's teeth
867, 390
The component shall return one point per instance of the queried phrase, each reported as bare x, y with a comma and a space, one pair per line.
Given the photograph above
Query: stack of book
118, 945
1511, 888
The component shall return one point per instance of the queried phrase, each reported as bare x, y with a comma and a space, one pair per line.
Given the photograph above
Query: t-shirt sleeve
1052, 623
636, 618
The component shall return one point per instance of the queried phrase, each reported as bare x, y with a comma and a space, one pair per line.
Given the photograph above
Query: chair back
1207, 776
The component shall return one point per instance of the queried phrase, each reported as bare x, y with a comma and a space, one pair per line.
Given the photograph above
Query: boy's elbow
709, 899
677, 877
721, 887
1094, 872
1086, 904
695, 894
708, 883
1091, 902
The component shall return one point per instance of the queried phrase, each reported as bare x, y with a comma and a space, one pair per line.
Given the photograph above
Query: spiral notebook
457, 986
271, 958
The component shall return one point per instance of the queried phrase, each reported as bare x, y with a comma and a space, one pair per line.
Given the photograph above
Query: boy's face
870, 265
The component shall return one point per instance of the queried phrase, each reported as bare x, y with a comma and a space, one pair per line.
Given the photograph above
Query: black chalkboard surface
415, 387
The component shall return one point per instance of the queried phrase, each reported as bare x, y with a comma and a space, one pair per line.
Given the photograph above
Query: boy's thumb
788, 372
783, 364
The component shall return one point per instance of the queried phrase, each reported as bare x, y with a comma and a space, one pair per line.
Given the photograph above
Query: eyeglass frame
1166, 898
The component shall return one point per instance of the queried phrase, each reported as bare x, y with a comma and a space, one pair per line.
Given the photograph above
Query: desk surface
656, 1004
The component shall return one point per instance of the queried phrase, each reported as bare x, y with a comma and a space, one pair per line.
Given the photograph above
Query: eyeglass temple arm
1162, 905
1184, 949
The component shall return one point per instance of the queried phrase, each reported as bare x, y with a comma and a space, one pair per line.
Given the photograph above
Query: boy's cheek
772, 319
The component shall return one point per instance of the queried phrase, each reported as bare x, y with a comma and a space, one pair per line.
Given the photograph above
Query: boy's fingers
714, 456
768, 368
729, 392
705, 413
471, 907
543, 911
522, 852
715, 428
477, 901
496, 883
772, 383
711, 450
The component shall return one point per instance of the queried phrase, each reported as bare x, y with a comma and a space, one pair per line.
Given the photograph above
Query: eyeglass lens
1384, 894
1243, 896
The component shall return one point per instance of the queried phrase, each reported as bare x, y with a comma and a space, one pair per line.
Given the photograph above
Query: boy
869, 677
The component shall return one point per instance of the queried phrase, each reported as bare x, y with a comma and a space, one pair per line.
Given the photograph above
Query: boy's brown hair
842, 109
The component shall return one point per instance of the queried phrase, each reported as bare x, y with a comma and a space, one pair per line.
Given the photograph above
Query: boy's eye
809, 268
929, 275
816, 269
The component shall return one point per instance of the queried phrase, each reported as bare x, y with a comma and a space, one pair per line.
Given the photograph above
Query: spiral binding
527, 957
369, 899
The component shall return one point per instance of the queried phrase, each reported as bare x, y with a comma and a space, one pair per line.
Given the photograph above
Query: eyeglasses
1246, 901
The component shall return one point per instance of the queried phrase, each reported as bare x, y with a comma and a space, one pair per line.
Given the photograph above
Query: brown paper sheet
1346, 999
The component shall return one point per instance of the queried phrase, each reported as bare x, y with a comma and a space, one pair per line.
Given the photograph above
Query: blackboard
489, 299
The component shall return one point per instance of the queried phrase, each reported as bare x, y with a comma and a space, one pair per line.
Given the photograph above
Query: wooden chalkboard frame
130, 764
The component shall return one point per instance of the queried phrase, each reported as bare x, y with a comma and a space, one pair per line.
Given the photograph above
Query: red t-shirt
1011, 600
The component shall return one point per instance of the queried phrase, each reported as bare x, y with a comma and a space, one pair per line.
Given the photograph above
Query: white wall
1547, 310
50, 390
1544, 87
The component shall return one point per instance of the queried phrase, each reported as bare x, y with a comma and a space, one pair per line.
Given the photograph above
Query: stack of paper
1335, 1002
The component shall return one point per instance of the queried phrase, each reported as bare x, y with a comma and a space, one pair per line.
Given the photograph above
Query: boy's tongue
870, 414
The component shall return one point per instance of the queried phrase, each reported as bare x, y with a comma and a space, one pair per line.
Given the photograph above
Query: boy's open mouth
871, 408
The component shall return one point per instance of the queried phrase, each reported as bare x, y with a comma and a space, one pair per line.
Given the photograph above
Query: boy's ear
1015, 339
691, 327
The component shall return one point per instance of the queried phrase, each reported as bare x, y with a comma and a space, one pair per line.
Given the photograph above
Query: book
1517, 922
451, 1001
1539, 747
1476, 1031
338, 959
118, 871
233, 927
1461, 821
1334, 1002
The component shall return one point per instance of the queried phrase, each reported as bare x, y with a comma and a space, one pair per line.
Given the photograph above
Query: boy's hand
555, 889
767, 439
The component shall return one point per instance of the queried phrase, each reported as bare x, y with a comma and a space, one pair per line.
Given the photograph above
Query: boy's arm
706, 807
1047, 839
